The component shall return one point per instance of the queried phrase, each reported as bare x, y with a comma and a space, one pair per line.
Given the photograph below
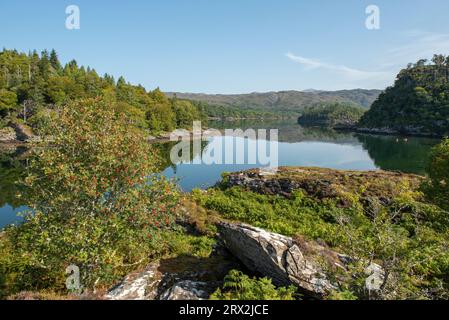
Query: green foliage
39, 82
417, 103
437, 188
299, 215
8, 101
95, 202
331, 114
342, 295
238, 286
178, 243
404, 235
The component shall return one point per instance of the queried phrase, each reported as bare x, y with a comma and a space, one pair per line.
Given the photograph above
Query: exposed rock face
181, 278
17, 133
8, 135
280, 257
188, 290
323, 183
137, 286
409, 130
23, 132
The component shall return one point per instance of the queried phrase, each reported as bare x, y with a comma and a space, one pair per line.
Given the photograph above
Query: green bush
437, 188
238, 286
95, 202
342, 295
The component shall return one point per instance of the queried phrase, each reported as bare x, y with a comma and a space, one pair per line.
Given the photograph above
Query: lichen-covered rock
137, 286
189, 290
8, 135
290, 261
23, 132
281, 258
183, 278
321, 183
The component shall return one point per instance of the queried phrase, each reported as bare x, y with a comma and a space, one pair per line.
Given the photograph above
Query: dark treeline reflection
289, 131
12, 169
409, 155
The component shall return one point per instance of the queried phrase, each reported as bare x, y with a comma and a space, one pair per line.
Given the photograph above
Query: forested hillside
418, 103
331, 114
284, 103
33, 86
236, 113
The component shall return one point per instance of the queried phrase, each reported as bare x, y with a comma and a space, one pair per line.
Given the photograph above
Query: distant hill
417, 104
283, 102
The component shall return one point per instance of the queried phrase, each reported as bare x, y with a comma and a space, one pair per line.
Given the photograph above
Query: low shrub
238, 286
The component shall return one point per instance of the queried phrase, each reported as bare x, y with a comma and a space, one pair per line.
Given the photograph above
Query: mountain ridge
287, 101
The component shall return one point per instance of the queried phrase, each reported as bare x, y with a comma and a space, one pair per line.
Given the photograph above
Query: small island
417, 104
331, 115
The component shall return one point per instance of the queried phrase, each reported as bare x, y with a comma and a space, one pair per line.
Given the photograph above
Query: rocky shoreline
410, 132
19, 137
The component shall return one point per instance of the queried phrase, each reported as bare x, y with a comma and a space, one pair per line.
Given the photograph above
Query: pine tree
44, 64
54, 61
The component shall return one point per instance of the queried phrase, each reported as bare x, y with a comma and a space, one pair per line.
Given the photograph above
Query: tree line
33, 86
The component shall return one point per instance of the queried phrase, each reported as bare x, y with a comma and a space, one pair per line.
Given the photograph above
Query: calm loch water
298, 146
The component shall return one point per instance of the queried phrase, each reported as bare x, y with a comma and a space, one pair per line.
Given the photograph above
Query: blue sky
234, 46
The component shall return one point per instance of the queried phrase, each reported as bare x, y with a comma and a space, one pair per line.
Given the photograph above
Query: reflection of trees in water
290, 131
388, 152
13, 165
396, 153
12, 168
165, 148
321, 134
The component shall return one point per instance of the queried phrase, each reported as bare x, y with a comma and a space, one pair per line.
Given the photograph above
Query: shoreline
388, 132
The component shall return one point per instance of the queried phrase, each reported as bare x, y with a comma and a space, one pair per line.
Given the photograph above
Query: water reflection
398, 153
298, 146
314, 147
12, 168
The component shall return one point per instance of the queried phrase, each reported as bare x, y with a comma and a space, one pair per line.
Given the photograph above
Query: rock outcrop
321, 183
280, 257
181, 278
17, 133
188, 290
8, 135
286, 260
23, 132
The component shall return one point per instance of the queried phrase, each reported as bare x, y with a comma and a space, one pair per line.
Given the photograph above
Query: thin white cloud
416, 44
420, 45
348, 73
